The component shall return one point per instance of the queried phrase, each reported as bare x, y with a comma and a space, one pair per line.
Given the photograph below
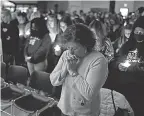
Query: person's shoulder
95, 54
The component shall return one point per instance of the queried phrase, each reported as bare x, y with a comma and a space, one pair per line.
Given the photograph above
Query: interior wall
62, 5
87, 5
138, 4
120, 4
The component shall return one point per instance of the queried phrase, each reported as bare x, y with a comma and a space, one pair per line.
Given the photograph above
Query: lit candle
126, 64
28, 32
57, 48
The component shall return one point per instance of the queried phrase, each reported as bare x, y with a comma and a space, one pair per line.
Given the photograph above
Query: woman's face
5, 18
127, 33
59, 17
21, 20
139, 34
50, 22
76, 49
63, 26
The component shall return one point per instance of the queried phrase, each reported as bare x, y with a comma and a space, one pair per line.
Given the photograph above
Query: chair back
40, 81
3, 70
17, 74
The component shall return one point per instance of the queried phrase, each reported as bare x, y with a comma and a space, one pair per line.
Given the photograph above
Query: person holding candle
132, 50
81, 71
22, 20
127, 70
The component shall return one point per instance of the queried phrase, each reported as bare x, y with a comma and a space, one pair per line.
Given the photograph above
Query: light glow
57, 48
126, 64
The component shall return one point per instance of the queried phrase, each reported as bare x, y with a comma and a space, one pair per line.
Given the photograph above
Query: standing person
22, 21
10, 38
81, 72
37, 47
103, 44
54, 30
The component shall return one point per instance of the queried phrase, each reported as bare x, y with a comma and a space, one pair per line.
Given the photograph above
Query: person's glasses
139, 32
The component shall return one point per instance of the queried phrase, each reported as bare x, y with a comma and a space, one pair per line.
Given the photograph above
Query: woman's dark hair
22, 14
79, 33
41, 26
67, 20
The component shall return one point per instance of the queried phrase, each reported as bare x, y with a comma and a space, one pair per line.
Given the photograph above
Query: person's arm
58, 75
136, 67
43, 50
96, 77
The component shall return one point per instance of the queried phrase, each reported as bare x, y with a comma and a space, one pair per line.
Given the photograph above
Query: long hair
56, 27
41, 25
99, 30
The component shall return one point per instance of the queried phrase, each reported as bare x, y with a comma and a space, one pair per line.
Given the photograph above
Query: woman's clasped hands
72, 63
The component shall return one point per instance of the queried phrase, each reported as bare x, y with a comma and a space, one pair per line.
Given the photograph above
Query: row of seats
35, 94
32, 94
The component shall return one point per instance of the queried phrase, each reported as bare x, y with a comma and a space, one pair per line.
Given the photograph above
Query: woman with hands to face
81, 71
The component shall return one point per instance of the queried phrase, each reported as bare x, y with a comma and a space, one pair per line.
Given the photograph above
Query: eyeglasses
139, 32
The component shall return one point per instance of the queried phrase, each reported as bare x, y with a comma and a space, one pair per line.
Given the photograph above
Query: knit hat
139, 22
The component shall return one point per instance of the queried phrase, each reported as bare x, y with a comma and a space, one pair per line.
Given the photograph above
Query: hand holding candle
124, 66
57, 49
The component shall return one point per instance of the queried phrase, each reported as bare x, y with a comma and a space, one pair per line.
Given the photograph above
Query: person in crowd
81, 71
65, 22
38, 46
103, 44
124, 38
54, 30
60, 15
10, 38
77, 20
22, 20
128, 68
115, 27
89, 18
31, 17
132, 50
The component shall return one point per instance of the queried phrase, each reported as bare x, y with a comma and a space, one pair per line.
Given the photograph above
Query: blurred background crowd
119, 38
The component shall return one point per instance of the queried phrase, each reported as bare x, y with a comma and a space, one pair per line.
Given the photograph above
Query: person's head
52, 24
141, 10
60, 15
81, 12
35, 15
138, 30
78, 39
65, 22
128, 30
22, 18
99, 30
78, 20
38, 27
6, 16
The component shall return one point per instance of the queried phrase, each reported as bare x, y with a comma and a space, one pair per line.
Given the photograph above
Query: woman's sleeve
109, 50
56, 76
95, 79
43, 50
